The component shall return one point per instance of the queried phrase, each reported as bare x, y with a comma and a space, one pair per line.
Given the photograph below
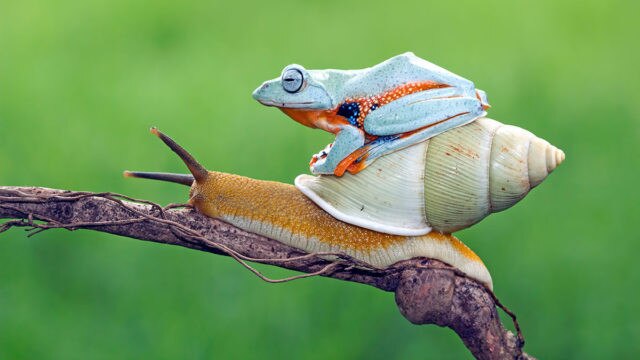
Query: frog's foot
320, 155
318, 161
321, 167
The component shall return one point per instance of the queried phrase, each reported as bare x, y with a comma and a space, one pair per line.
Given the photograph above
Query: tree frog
374, 111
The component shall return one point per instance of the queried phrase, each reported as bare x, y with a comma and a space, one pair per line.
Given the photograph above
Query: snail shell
446, 183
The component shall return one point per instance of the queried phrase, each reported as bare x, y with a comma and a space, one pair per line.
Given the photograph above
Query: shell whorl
482, 168
446, 183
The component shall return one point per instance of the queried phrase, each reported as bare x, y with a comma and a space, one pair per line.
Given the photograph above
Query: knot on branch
425, 295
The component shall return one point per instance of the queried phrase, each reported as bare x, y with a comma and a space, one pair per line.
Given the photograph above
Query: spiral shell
447, 183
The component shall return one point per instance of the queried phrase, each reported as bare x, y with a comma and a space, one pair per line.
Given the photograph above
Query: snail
281, 212
413, 161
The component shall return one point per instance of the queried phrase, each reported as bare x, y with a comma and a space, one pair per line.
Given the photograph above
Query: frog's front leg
348, 139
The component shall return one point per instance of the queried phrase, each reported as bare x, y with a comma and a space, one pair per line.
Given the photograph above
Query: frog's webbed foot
348, 140
319, 166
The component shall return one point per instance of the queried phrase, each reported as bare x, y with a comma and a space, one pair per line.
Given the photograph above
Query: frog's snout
258, 93
273, 93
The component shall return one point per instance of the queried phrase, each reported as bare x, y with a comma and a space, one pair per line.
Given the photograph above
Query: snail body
446, 183
279, 211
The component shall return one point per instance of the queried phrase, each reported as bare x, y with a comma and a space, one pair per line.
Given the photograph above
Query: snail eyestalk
199, 172
184, 179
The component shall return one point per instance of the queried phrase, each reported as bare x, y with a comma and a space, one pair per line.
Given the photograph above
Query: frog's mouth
301, 104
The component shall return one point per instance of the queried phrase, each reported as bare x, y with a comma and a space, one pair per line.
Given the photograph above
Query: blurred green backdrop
82, 81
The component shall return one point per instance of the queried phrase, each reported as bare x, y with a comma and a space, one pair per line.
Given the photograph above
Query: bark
427, 291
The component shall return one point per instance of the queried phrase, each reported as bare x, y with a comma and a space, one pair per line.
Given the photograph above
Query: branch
427, 291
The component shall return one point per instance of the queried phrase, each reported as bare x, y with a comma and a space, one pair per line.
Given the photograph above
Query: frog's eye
292, 80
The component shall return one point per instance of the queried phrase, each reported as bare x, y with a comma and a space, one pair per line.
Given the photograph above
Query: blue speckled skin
422, 114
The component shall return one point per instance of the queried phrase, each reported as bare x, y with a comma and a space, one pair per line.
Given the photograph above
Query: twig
427, 291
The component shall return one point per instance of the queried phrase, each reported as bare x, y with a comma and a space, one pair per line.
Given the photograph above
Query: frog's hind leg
384, 145
422, 109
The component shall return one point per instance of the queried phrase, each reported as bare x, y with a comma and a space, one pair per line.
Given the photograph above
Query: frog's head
296, 88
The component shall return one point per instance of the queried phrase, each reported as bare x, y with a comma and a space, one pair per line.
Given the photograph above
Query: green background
82, 81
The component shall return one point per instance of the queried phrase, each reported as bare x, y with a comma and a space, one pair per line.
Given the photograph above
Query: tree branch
427, 291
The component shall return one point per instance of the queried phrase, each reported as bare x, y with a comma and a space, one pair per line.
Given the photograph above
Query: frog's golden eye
292, 80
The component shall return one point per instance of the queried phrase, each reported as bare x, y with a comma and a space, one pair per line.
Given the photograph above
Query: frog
373, 111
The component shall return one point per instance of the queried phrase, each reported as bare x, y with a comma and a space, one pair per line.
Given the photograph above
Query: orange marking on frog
366, 103
327, 120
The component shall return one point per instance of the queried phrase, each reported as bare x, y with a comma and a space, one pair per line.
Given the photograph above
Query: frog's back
399, 70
